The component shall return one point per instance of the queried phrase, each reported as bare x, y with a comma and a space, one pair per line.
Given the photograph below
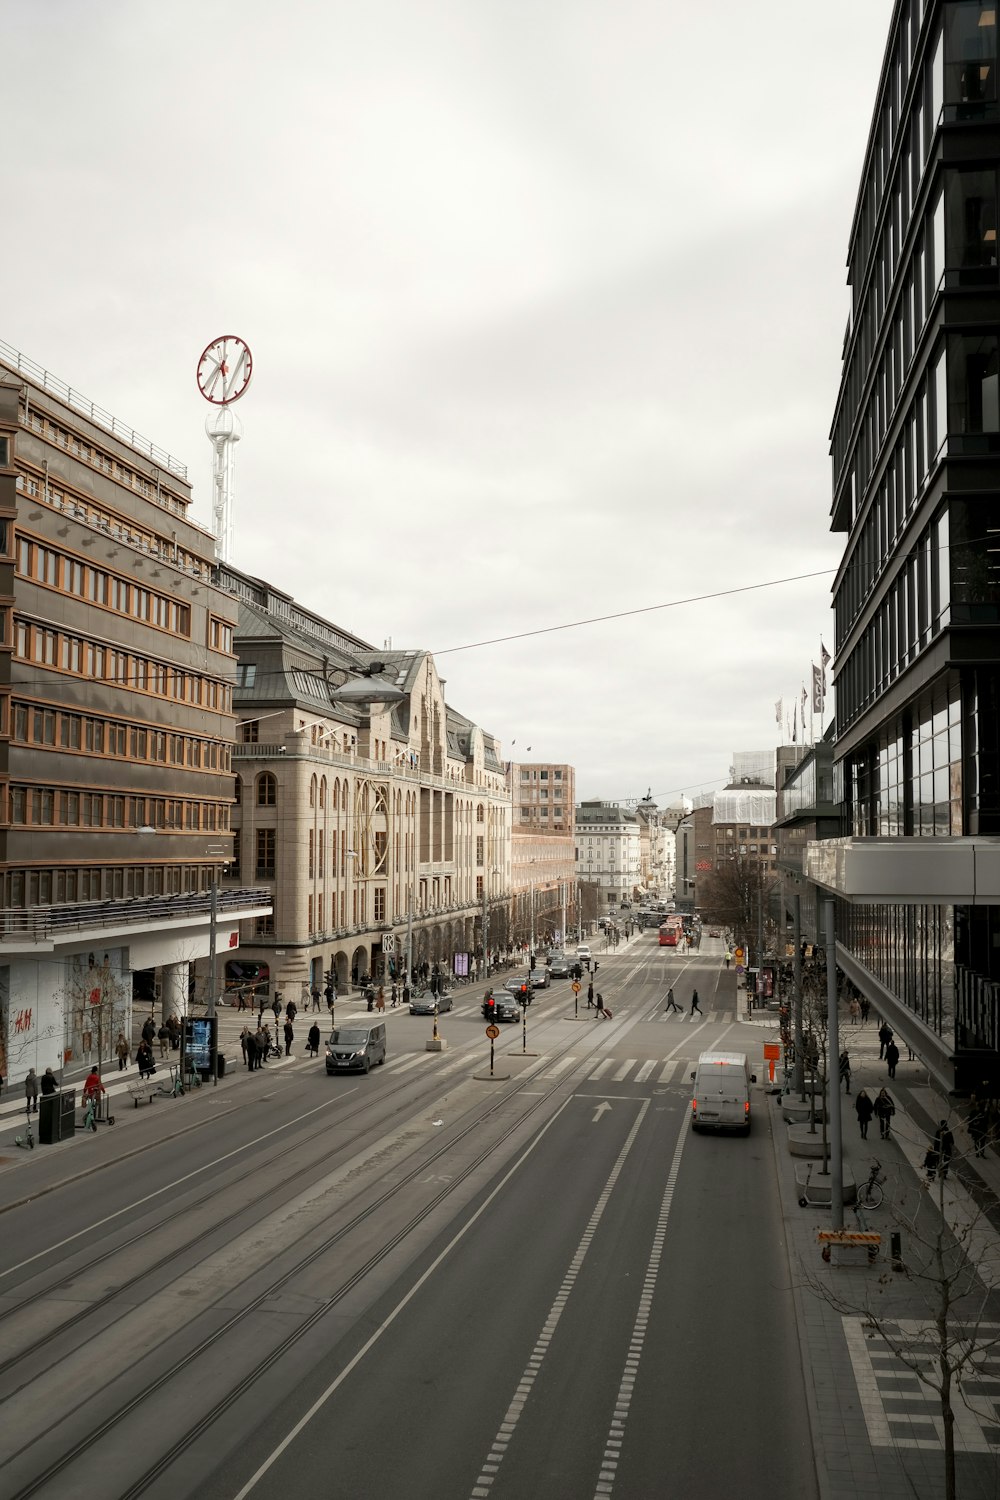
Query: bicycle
27, 1141
870, 1193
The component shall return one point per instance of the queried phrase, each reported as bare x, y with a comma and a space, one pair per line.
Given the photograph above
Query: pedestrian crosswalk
632, 1070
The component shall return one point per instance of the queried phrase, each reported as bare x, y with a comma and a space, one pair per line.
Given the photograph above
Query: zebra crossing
631, 1070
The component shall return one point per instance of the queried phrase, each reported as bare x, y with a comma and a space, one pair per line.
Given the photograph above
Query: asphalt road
422, 1283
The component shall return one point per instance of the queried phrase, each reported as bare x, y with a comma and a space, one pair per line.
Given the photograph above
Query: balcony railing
46, 922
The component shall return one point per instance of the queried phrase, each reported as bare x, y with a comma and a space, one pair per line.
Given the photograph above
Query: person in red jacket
92, 1085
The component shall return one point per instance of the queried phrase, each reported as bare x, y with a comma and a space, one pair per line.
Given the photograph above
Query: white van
721, 1099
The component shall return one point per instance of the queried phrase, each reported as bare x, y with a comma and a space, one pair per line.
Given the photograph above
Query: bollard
896, 1250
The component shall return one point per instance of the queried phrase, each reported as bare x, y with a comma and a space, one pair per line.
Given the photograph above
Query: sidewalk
876, 1428
121, 1105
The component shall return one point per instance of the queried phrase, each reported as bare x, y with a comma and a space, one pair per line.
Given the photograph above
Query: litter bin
56, 1117
220, 1065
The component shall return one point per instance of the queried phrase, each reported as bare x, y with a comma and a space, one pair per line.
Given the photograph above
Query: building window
267, 790
265, 853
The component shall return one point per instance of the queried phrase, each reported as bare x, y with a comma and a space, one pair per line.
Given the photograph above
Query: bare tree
739, 895
951, 1342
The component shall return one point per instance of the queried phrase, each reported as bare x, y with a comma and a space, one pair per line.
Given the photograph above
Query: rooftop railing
45, 922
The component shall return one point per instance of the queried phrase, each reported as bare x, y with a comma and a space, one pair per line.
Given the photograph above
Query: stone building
116, 722
376, 814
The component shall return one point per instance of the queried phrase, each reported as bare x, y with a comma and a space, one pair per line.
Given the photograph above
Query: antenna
223, 376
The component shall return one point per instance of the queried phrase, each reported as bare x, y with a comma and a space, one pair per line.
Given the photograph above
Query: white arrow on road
599, 1111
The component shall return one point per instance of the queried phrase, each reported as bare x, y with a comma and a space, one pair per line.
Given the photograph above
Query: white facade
609, 851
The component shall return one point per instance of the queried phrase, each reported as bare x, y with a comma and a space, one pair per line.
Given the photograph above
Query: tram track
100, 1430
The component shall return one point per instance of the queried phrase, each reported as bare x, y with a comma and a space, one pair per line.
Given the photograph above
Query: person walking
276, 1008
291, 1011
312, 1040
590, 994
892, 1058
864, 1109
884, 1038
243, 1042
148, 1030
671, 1002
394, 995
250, 1050
261, 1043
865, 1005
31, 1090
845, 1070
163, 1037
241, 1001
289, 1037
855, 1010
604, 1014
729, 958
979, 1124
331, 997
944, 1147
884, 1109
694, 1004
122, 1052
144, 1057
315, 998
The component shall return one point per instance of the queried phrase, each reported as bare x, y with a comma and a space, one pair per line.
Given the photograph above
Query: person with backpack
884, 1110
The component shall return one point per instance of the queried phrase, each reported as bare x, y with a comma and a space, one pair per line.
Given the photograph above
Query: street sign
577, 986
388, 942
492, 1032
739, 955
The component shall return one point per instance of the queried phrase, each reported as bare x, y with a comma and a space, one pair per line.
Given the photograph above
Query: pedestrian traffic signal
596, 966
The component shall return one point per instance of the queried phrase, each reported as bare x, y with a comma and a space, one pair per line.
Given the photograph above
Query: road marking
623, 1401
602, 1109
560, 1066
645, 1070
602, 1067
177, 1182
625, 1069
387, 1323
671, 1070
523, 1390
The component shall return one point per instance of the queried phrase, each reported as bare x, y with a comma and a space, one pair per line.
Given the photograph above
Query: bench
142, 1088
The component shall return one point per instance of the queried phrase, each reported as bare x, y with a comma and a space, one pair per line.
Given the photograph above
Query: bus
670, 932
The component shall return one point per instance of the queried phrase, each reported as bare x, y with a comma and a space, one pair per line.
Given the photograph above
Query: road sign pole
491, 1057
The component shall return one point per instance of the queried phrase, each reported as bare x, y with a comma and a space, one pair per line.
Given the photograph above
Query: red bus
670, 932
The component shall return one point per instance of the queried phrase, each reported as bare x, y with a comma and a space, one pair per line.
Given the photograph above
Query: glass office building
916, 492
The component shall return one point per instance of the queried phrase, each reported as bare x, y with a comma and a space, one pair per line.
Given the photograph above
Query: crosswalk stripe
625, 1069
645, 1071
601, 1068
560, 1067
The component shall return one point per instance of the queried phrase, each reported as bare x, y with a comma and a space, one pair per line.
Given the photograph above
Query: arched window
322, 791
267, 790
238, 789
479, 813
336, 794
312, 792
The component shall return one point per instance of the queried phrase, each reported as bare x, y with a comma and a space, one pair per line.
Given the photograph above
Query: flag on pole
824, 661
795, 723
777, 712
817, 693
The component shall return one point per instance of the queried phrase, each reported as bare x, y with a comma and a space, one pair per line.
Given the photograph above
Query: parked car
539, 979
422, 1004
560, 968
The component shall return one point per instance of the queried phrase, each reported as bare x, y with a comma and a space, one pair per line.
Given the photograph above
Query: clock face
224, 370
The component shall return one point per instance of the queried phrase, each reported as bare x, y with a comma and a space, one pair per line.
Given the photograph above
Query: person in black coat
312, 1041
892, 1058
884, 1109
144, 1058
865, 1109
289, 1038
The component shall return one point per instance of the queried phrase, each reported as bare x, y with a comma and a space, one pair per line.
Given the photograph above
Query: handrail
44, 921
87, 408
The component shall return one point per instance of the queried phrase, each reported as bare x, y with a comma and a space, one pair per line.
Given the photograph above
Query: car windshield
347, 1038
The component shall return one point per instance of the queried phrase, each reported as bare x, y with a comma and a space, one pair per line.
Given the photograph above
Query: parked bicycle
870, 1193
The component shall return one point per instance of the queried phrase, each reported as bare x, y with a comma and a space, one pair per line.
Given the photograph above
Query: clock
224, 370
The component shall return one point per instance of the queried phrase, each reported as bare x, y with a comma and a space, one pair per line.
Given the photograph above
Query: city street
422, 1281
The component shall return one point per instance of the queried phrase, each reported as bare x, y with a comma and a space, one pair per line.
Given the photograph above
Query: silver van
721, 1099
356, 1048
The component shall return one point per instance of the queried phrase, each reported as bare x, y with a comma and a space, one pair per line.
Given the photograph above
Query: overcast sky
546, 303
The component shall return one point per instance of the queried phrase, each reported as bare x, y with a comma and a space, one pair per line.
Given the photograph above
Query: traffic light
523, 994
596, 966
